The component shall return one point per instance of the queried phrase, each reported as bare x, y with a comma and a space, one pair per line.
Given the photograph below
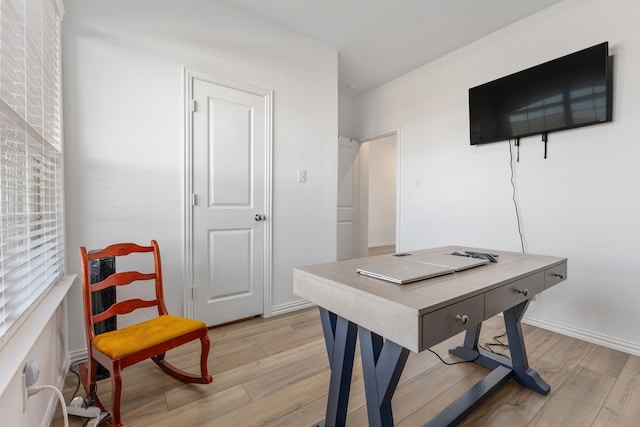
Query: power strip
75, 408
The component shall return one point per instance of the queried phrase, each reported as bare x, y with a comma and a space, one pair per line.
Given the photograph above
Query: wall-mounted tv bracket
544, 139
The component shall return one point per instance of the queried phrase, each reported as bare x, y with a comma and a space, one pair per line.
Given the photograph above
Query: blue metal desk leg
382, 364
340, 339
518, 363
502, 369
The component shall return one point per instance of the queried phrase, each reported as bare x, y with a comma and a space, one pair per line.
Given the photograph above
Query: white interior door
348, 176
230, 148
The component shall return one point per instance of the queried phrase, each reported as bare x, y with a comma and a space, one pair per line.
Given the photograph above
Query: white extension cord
75, 408
34, 389
29, 378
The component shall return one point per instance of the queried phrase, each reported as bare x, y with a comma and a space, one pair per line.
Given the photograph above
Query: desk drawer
442, 324
555, 275
511, 294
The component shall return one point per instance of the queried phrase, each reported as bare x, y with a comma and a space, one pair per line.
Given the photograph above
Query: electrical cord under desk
487, 347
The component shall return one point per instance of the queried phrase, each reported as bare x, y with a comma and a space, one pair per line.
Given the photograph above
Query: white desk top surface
393, 310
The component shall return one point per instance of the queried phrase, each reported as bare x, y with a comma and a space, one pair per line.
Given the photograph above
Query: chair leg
116, 391
204, 356
92, 376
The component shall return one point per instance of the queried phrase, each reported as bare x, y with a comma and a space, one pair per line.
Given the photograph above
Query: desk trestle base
502, 368
383, 362
519, 364
457, 411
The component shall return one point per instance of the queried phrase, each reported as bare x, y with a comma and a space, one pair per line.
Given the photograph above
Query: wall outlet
302, 175
30, 376
32, 372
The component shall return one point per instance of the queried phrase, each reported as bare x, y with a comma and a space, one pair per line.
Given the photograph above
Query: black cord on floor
453, 363
88, 400
497, 343
487, 347
75, 392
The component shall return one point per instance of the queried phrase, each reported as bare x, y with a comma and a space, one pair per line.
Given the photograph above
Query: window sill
15, 347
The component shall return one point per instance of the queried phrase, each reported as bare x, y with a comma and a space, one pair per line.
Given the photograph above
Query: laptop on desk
419, 268
404, 271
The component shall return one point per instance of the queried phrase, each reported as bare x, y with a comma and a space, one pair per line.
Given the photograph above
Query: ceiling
379, 40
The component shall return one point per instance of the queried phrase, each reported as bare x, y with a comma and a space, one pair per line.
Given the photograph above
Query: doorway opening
380, 186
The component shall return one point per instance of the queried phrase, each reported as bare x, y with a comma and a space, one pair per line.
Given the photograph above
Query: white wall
382, 191
580, 203
345, 116
49, 351
122, 68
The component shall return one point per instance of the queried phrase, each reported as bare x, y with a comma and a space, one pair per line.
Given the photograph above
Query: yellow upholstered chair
150, 339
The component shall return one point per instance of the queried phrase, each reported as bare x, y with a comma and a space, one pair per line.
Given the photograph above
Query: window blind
31, 184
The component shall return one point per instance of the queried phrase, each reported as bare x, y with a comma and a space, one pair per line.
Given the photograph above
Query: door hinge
194, 199
194, 106
193, 292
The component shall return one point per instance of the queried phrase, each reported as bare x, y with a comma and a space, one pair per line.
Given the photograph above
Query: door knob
259, 217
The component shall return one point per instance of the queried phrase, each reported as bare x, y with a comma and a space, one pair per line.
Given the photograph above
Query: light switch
302, 175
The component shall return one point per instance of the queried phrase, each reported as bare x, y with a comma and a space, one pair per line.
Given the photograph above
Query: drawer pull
464, 319
560, 275
524, 291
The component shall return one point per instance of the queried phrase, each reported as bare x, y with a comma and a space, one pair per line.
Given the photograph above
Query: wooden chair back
120, 279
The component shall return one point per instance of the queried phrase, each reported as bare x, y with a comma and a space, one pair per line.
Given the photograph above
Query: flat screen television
568, 92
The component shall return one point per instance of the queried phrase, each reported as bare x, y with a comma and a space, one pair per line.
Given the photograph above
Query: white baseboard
77, 355
290, 306
603, 340
378, 245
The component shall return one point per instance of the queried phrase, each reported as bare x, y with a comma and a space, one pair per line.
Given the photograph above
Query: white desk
395, 319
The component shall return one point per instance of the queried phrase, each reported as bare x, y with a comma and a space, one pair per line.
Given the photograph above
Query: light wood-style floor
274, 372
